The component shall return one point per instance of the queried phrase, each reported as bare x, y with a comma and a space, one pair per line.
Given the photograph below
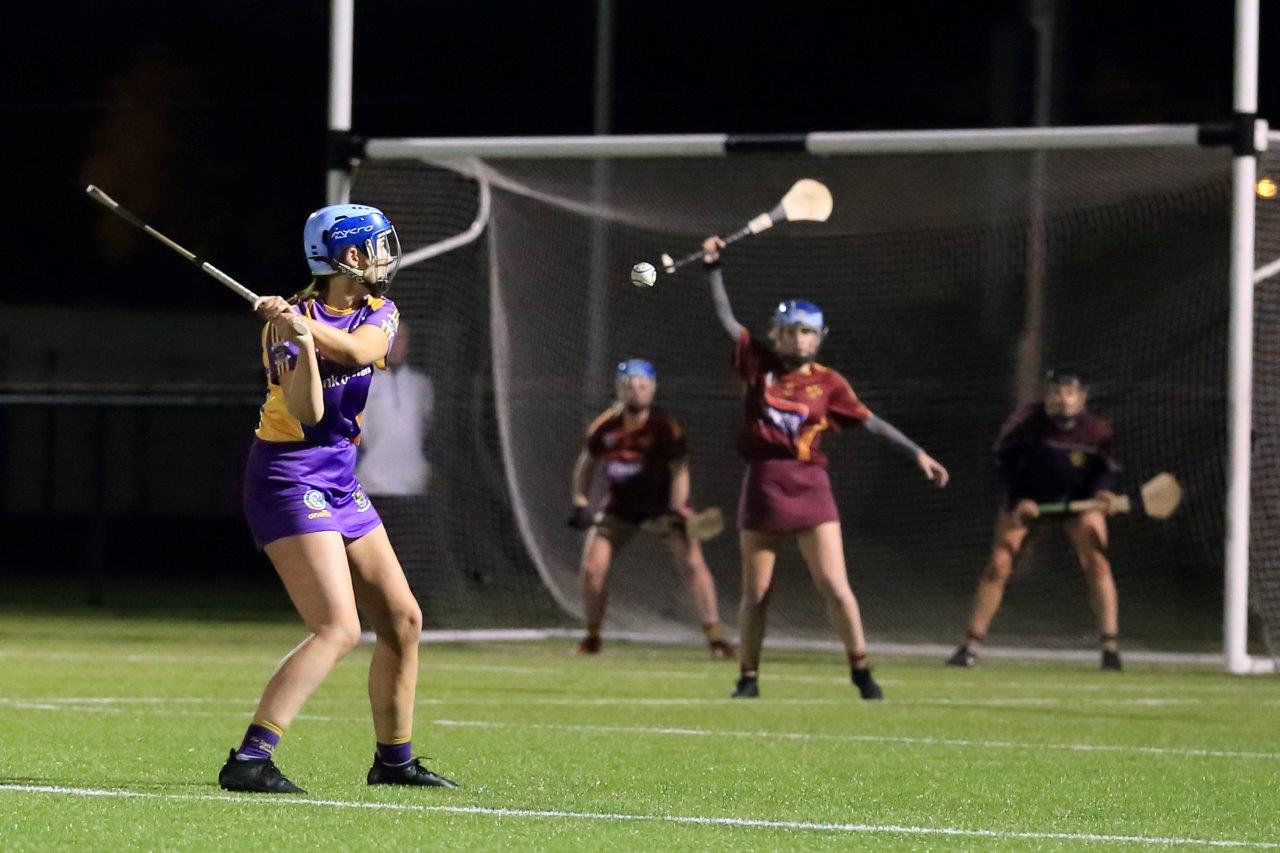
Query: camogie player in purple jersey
306, 508
1050, 452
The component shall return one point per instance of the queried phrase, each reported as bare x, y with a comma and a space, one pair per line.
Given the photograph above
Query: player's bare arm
364, 345
303, 394
580, 484
680, 487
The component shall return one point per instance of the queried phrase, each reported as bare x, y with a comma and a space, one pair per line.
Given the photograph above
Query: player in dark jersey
1050, 452
643, 452
789, 402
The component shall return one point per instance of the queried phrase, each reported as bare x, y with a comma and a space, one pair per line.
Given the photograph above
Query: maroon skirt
785, 495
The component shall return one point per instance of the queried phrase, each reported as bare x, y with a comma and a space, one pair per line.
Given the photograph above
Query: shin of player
1053, 451
643, 452
309, 513
789, 402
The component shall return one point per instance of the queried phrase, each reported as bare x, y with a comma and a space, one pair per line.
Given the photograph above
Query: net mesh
1264, 556
927, 271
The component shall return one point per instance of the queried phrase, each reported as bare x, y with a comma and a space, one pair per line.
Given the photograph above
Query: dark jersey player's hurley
643, 453
1050, 452
789, 402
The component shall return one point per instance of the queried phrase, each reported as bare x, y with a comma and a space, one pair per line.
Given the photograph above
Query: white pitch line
660, 702
892, 680
851, 700
544, 671
101, 705
895, 739
613, 817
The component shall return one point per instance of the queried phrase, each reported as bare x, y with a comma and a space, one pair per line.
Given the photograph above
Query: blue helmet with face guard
331, 230
800, 312
635, 367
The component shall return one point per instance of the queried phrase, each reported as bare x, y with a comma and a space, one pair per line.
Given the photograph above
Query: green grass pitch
112, 731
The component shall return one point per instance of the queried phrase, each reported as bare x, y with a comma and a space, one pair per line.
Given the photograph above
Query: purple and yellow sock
260, 741
397, 753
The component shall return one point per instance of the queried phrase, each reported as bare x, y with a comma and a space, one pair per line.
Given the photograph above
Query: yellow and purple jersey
345, 388
302, 479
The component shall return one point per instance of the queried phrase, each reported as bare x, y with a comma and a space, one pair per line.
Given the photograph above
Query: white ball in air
643, 274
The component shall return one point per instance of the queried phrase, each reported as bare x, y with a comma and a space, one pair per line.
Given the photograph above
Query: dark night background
209, 121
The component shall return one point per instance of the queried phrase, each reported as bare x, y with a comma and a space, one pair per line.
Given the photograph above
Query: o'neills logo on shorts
314, 499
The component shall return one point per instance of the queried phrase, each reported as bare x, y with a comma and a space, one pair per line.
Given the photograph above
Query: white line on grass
658, 702
45, 703
897, 739
556, 670
961, 680
543, 671
101, 705
746, 823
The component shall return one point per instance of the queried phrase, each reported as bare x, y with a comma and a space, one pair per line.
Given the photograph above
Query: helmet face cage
383, 251
636, 367
802, 313
362, 226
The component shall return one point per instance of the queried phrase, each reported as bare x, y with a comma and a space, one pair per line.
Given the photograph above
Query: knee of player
1095, 564
999, 566
688, 566
342, 636
408, 626
755, 598
593, 571
838, 594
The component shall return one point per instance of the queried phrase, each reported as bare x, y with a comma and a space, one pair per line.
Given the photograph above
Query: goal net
950, 282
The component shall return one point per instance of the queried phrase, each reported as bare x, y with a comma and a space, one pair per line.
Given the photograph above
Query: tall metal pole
1244, 172
342, 31
1042, 14
598, 276
602, 90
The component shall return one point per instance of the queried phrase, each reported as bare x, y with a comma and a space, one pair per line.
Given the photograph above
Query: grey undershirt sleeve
892, 434
724, 311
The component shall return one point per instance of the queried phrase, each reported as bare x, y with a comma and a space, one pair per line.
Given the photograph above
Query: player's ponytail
317, 288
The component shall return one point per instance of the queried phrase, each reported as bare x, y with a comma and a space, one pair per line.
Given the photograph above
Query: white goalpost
1251, 138
554, 175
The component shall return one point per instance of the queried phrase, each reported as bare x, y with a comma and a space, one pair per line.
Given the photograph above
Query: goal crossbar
818, 143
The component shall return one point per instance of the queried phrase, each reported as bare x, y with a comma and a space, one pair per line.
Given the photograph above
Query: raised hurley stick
1158, 498
807, 200
204, 266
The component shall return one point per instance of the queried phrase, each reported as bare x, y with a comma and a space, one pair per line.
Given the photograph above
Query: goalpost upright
1247, 136
1249, 139
342, 35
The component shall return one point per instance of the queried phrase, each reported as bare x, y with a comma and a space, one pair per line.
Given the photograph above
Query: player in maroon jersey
789, 402
642, 450
1047, 453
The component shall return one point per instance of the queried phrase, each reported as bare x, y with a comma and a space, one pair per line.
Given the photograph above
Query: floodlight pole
1030, 359
599, 278
342, 30
1250, 139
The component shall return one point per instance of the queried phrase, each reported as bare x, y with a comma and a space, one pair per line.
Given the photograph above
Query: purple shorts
292, 488
785, 495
